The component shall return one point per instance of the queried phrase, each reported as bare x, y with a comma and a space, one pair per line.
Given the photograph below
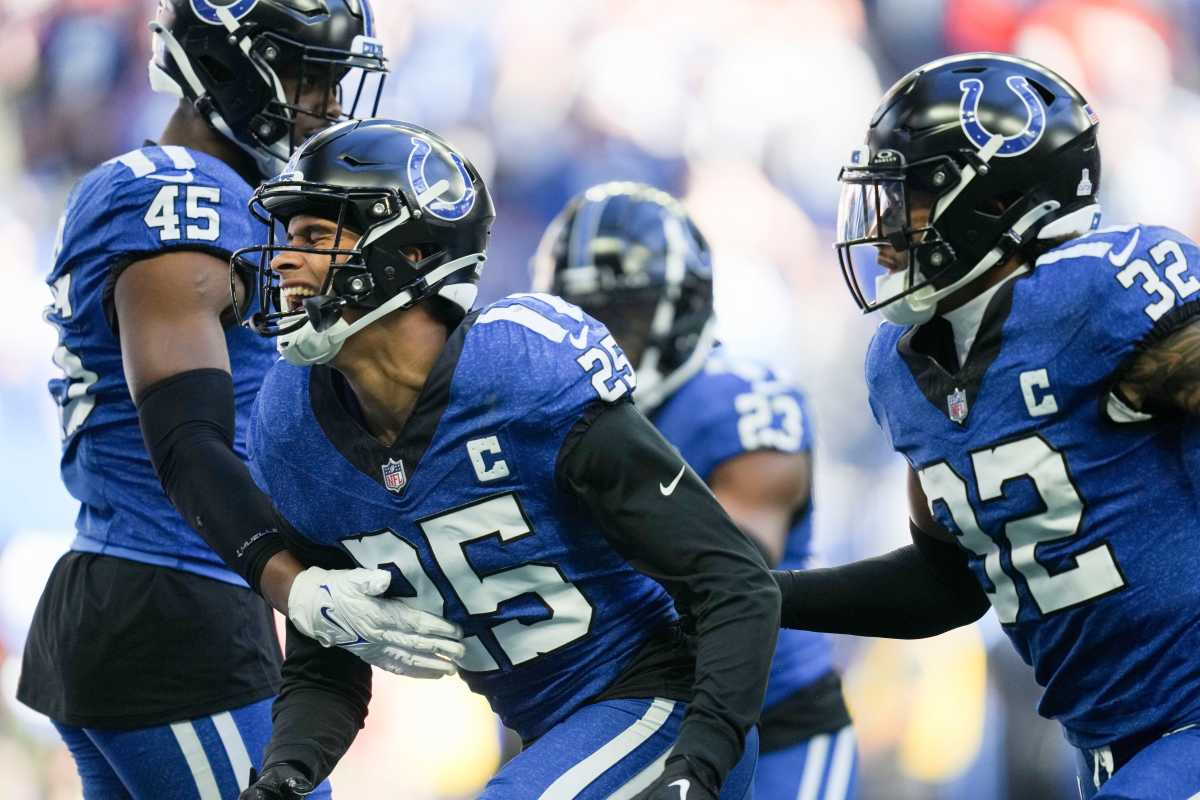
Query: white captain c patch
1035, 388
485, 471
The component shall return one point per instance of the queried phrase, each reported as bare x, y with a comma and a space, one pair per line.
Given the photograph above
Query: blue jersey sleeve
154, 200
1144, 282
544, 361
734, 407
881, 348
277, 427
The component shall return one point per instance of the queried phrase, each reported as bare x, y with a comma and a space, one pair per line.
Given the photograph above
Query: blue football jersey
464, 508
136, 206
734, 406
1079, 516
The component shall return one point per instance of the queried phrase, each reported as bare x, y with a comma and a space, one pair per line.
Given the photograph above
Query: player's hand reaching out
345, 608
679, 781
278, 782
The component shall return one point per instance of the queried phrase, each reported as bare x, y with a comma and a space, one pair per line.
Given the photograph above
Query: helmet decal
207, 9
1023, 142
449, 210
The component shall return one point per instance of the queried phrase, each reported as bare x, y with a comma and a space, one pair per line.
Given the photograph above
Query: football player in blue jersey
1041, 377
492, 461
148, 651
630, 255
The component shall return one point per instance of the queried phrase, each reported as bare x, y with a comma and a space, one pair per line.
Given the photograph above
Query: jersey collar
929, 352
337, 413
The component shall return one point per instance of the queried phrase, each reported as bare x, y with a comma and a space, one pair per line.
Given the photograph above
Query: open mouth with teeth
293, 296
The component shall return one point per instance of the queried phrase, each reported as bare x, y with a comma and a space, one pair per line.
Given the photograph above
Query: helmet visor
873, 227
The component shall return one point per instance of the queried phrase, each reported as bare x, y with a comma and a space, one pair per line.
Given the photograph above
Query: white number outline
611, 360
756, 424
1168, 256
1024, 534
1151, 284
162, 213
194, 211
1175, 269
77, 403
448, 551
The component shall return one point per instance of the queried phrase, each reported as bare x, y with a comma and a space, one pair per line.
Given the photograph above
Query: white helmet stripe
231, 24
425, 197
968, 174
181, 59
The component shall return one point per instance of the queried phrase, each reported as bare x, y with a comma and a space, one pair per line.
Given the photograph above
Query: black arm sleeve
187, 423
917, 591
620, 467
320, 708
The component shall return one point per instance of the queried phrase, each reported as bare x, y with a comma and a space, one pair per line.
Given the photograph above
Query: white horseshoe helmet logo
1023, 142
207, 9
449, 210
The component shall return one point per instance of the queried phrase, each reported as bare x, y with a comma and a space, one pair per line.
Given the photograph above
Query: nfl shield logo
956, 404
393, 475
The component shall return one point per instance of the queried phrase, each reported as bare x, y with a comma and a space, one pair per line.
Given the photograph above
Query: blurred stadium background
744, 108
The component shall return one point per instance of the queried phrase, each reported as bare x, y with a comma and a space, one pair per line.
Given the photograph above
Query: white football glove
342, 607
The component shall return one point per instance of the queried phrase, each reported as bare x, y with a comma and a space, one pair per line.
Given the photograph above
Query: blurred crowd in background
745, 109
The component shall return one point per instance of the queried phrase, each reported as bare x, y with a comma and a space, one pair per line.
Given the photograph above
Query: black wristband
188, 425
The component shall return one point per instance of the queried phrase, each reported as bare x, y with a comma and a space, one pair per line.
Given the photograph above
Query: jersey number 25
448, 535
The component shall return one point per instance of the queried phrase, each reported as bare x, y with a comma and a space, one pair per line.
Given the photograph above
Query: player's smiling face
305, 274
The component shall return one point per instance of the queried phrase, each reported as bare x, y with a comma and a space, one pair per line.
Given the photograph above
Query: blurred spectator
747, 110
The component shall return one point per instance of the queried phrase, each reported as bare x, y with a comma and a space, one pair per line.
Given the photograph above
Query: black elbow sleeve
916, 591
187, 424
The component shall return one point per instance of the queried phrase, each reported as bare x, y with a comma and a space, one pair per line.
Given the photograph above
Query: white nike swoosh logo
579, 342
1119, 259
184, 178
670, 487
684, 786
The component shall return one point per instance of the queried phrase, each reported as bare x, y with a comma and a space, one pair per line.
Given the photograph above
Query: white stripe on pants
235, 748
840, 763
576, 779
197, 760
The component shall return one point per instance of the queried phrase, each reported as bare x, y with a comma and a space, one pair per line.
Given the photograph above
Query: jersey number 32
1094, 572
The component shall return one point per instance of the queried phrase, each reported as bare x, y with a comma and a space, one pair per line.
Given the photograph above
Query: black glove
278, 782
679, 781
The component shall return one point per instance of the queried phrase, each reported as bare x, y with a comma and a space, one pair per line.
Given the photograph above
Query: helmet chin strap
919, 306
308, 346
653, 387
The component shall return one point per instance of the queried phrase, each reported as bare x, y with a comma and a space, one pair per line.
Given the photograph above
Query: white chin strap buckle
911, 309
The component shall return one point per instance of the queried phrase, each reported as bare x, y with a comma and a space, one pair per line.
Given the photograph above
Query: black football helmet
228, 57
630, 256
396, 186
968, 160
